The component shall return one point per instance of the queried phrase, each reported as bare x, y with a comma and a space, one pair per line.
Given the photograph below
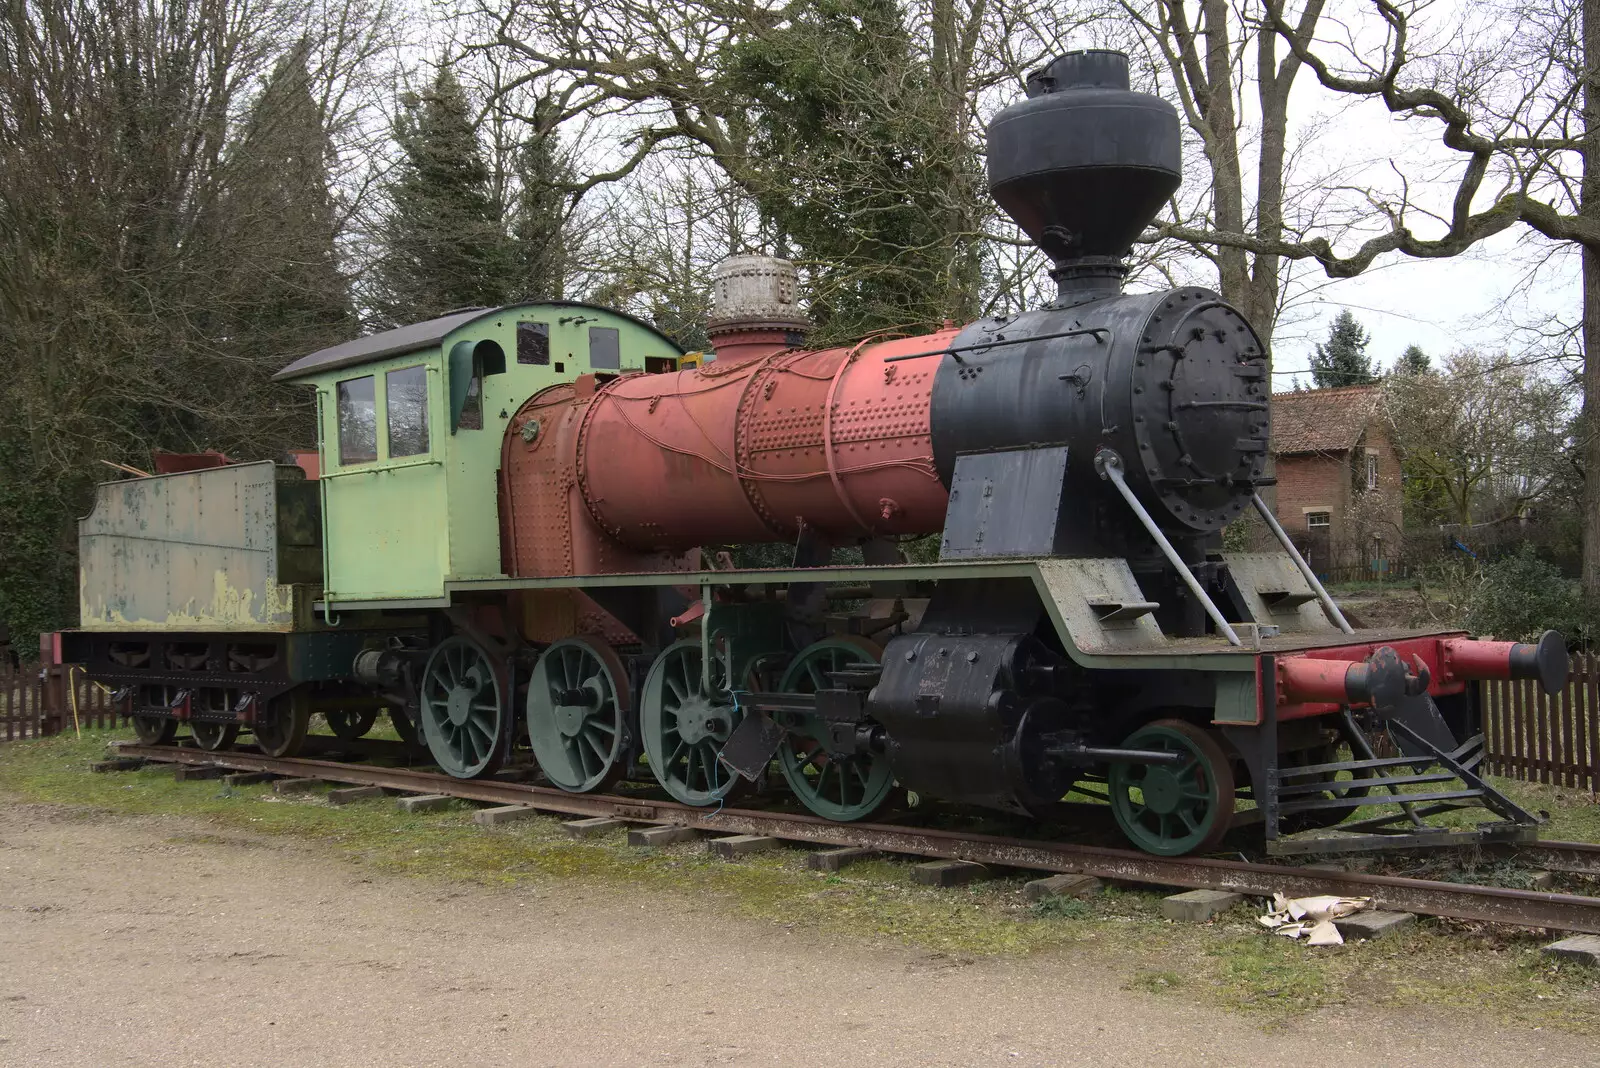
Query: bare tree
1482, 438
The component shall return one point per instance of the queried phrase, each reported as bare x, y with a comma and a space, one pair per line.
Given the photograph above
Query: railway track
1493, 904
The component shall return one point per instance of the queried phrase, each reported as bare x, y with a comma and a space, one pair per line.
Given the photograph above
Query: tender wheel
351, 725
1173, 809
463, 709
214, 737
281, 727
154, 730
835, 787
684, 725
404, 726
578, 706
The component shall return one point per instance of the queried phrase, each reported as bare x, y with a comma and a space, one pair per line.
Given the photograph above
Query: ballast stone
349, 795
1582, 948
1067, 884
661, 836
494, 817
1362, 926
948, 872
424, 802
1198, 906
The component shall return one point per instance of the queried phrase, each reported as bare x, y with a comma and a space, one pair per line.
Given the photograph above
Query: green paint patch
1486, 972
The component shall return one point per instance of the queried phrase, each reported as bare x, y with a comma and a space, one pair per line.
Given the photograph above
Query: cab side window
406, 401
533, 343
358, 420
605, 349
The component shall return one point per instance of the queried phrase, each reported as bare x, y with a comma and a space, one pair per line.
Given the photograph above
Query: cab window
358, 420
533, 343
406, 402
605, 349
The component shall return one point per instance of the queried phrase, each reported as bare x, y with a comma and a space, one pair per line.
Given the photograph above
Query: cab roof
423, 335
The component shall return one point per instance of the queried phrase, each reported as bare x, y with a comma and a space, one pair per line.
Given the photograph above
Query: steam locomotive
509, 541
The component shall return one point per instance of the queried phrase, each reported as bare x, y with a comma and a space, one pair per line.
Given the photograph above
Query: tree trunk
1590, 206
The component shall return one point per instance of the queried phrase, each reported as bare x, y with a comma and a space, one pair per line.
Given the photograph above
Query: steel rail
1492, 904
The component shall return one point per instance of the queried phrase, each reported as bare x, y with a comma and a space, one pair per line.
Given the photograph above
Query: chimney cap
751, 292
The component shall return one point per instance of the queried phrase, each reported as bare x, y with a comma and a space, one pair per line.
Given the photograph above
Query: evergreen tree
539, 218
854, 158
1343, 359
443, 243
1413, 361
287, 295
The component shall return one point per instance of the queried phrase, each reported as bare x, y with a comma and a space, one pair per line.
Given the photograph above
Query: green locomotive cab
410, 423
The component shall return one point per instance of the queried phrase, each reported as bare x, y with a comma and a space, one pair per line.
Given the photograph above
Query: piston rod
1110, 465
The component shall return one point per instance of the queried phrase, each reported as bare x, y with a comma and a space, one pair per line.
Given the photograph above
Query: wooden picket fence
35, 703
1548, 739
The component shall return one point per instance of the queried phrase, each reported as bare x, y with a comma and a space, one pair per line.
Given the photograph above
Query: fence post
53, 700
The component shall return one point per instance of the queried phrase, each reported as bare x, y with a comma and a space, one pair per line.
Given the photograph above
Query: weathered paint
194, 551
400, 528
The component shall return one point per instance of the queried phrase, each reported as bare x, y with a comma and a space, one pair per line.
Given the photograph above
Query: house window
1319, 520
406, 404
358, 420
605, 349
1372, 469
533, 343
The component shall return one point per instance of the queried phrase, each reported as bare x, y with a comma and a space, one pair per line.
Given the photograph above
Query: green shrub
1520, 596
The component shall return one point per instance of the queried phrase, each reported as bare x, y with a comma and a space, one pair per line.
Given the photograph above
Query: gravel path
159, 942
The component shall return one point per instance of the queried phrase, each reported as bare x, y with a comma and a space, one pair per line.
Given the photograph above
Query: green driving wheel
684, 725
1173, 809
836, 787
578, 705
463, 709
214, 737
351, 724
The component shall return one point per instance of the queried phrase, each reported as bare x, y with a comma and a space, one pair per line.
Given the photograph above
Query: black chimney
1082, 165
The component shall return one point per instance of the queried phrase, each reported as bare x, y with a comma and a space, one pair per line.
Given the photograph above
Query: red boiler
644, 467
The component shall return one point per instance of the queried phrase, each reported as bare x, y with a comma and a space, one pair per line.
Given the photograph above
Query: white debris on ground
1311, 918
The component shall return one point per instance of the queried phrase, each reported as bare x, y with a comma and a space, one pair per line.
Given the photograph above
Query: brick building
1339, 484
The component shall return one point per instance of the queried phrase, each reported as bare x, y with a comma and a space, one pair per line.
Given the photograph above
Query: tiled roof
1321, 420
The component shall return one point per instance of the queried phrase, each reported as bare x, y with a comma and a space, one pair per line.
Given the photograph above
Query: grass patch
1230, 963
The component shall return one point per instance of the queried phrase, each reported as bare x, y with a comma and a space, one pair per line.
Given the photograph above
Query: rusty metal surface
836, 439
1526, 908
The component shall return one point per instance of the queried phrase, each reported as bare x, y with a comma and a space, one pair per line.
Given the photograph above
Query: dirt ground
160, 942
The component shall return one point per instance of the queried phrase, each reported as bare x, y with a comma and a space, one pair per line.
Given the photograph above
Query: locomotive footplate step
661, 836
838, 859
1067, 884
591, 827
948, 872
740, 844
